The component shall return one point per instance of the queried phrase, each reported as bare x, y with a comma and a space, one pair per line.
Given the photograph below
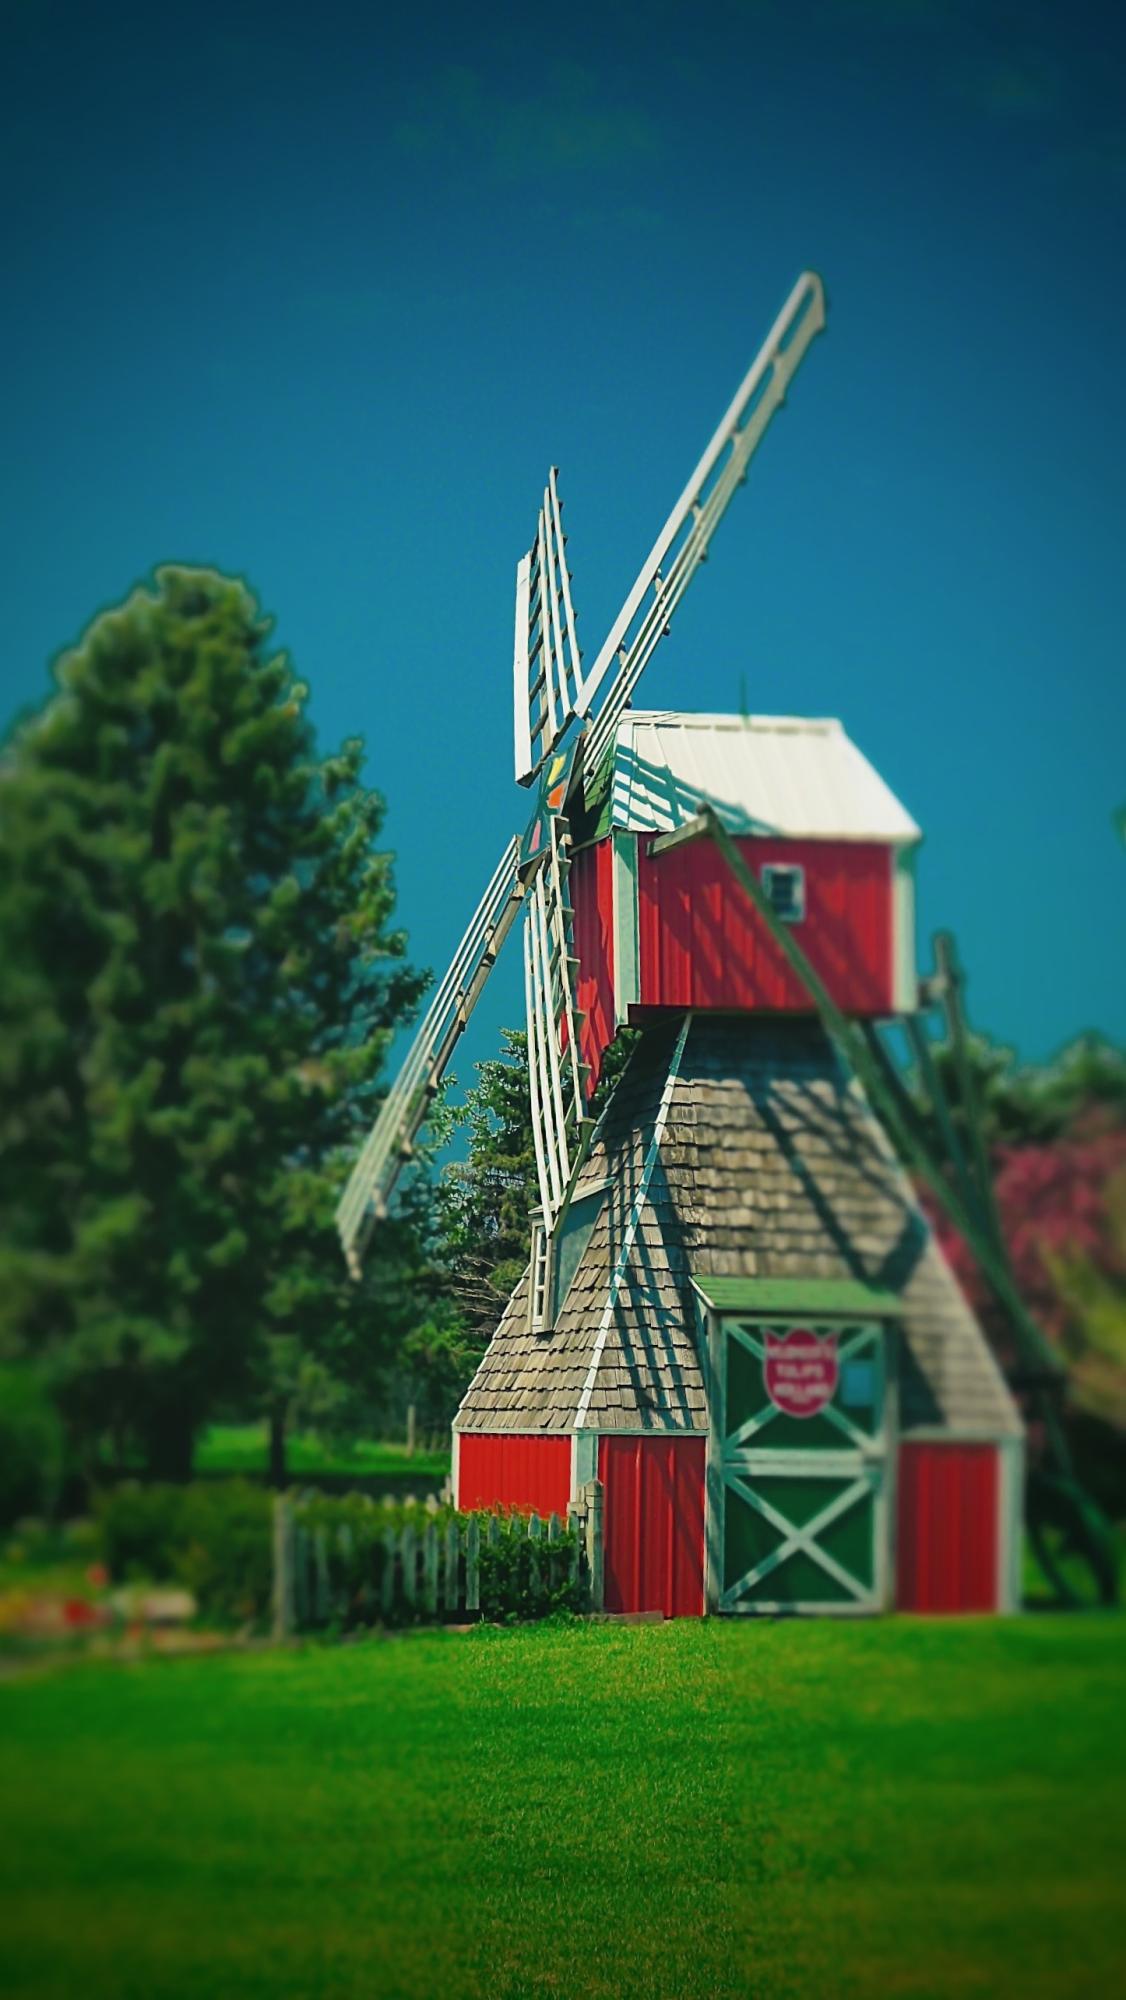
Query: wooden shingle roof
736, 1151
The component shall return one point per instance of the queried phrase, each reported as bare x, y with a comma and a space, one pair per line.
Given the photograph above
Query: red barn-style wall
948, 1527
699, 944
653, 1524
592, 900
948, 1514
511, 1470
702, 945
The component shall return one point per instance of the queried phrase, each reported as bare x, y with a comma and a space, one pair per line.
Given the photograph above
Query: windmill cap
793, 776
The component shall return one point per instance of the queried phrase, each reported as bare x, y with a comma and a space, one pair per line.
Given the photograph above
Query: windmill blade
390, 1143
683, 541
546, 660
557, 1076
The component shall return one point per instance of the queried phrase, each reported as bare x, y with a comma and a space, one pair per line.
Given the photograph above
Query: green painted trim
598, 799
905, 985
627, 972
914, 1151
840, 1297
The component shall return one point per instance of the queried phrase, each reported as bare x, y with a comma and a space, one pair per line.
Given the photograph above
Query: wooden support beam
696, 828
284, 1612
952, 981
851, 1044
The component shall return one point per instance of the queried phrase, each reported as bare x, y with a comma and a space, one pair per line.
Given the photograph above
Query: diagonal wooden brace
851, 1045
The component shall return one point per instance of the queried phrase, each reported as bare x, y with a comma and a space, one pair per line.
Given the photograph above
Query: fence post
283, 1611
472, 1568
322, 1587
343, 1603
535, 1579
387, 1581
451, 1579
301, 1602
576, 1516
592, 1534
410, 1566
430, 1568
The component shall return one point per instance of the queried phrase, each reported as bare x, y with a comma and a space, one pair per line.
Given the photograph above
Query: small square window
555, 1257
784, 883
858, 1385
573, 1235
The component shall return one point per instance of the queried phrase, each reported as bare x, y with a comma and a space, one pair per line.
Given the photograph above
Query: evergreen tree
198, 981
487, 1198
485, 1203
1083, 1088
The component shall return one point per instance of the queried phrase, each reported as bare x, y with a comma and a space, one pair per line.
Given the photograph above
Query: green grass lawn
719, 1810
234, 1449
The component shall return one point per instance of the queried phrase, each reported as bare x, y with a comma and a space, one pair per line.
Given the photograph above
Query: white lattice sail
683, 542
546, 658
390, 1142
557, 1075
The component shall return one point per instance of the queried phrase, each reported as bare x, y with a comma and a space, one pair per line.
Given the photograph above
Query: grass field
234, 1449
718, 1810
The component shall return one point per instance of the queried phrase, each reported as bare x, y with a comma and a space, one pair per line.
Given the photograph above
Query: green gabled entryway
800, 1389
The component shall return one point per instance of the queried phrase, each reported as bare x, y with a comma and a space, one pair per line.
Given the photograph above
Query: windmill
560, 746
733, 1301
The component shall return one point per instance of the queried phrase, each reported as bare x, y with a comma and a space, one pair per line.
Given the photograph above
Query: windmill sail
550, 692
546, 659
390, 1143
557, 1075
683, 541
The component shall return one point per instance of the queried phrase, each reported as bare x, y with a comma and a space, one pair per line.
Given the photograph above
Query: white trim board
940, 1434
584, 1459
1010, 1524
635, 1431
633, 1223
508, 1431
904, 977
627, 946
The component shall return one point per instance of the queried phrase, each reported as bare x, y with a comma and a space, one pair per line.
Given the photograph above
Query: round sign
800, 1371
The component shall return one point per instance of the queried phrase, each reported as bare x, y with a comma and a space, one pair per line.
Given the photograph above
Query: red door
947, 1528
653, 1524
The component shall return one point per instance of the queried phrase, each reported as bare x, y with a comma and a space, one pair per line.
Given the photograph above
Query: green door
796, 1480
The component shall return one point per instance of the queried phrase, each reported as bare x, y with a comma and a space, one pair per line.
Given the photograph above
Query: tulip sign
800, 1371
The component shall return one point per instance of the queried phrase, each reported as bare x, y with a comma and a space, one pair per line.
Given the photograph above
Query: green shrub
342, 1557
213, 1537
343, 1548
31, 1446
225, 1554
45, 1544
521, 1579
141, 1529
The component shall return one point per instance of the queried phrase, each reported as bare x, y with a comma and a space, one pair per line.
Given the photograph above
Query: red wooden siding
531, 1473
702, 945
946, 1554
592, 899
653, 1524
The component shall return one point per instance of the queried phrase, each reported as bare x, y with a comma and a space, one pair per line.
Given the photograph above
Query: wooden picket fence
425, 1570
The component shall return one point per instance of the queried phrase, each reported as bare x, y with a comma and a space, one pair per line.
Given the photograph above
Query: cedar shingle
771, 1164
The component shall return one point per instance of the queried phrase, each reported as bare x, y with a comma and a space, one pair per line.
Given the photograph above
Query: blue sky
317, 297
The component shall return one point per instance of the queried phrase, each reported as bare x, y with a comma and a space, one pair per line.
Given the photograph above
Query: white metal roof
776, 774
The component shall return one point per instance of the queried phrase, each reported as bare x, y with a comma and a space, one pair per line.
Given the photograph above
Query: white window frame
796, 871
